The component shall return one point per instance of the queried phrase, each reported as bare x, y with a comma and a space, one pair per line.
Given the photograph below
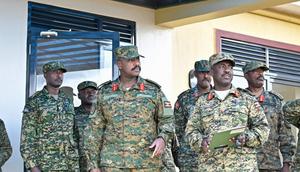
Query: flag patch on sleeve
167, 104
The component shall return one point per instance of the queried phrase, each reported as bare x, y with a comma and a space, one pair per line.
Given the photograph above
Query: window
84, 44
282, 59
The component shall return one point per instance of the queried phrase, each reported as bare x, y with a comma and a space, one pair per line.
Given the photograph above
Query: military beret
201, 66
86, 84
54, 65
127, 52
249, 66
219, 57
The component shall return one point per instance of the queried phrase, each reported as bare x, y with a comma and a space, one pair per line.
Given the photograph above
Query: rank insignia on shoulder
142, 87
167, 104
114, 87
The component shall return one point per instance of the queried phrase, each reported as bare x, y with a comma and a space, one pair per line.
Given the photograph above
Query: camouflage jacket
291, 112
184, 155
47, 137
211, 115
5, 147
126, 123
280, 137
81, 121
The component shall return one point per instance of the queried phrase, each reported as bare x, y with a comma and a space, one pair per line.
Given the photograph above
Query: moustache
58, 80
261, 78
205, 80
139, 67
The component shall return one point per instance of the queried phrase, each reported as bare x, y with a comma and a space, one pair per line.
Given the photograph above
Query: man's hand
286, 167
204, 145
95, 170
159, 147
35, 169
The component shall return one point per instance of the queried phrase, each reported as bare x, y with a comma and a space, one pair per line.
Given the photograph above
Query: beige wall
198, 41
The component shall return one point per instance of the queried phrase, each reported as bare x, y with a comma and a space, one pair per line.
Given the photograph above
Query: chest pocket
237, 115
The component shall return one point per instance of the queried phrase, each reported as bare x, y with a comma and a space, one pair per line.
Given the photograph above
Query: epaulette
35, 94
183, 93
154, 83
277, 95
104, 83
243, 90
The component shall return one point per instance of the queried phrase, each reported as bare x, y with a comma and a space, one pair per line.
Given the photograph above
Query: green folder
221, 139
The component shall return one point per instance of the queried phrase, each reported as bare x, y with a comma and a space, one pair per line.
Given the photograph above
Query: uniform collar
139, 85
233, 91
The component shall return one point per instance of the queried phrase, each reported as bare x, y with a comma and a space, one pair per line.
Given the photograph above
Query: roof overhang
210, 9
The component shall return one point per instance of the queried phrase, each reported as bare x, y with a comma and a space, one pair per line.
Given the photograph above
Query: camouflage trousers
108, 169
264, 170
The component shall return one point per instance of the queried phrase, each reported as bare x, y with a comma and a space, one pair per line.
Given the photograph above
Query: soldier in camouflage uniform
133, 121
5, 147
47, 137
280, 139
291, 112
223, 108
87, 93
185, 158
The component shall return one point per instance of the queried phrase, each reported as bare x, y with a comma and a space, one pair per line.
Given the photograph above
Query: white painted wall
154, 42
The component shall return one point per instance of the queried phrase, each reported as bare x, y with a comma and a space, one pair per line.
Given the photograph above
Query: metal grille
243, 52
284, 65
45, 17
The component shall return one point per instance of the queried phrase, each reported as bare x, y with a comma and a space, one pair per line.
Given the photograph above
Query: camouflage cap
86, 84
54, 65
201, 66
127, 52
249, 66
216, 58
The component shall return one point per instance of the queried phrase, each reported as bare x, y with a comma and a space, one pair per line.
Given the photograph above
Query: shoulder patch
104, 84
154, 83
277, 95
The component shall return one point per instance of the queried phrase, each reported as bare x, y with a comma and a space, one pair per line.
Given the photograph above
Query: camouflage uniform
81, 121
168, 159
127, 122
5, 147
291, 112
280, 138
47, 139
212, 114
185, 158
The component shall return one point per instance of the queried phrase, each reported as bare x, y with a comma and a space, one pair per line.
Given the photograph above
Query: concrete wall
198, 41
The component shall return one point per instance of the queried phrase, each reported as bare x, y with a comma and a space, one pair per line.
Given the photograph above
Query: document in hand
221, 139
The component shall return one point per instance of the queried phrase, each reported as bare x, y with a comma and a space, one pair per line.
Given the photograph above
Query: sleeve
258, 129
93, 137
291, 112
194, 131
29, 136
179, 128
287, 140
165, 118
5, 146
